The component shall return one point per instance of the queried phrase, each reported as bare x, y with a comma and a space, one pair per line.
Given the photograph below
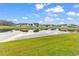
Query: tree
6, 23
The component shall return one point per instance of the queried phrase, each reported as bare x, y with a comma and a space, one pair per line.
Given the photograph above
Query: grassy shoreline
54, 45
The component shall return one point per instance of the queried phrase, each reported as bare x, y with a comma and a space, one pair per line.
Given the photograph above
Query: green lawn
39, 27
55, 45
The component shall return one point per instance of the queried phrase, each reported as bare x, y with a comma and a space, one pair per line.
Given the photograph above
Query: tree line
6, 23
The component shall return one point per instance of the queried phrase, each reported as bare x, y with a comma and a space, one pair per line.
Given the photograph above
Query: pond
18, 35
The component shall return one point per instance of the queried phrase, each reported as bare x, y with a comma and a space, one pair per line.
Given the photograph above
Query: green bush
37, 30
63, 30
24, 30
5, 30
53, 28
71, 30
46, 29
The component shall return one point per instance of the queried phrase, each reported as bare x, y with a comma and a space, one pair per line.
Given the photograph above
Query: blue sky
43, 13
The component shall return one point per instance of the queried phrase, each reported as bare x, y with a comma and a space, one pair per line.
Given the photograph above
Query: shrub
5, 30
71, 30
53, 29
63, 30
24, 30
37, 30
46, 29
77, 30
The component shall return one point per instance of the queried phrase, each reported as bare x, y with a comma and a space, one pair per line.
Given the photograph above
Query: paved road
18, 35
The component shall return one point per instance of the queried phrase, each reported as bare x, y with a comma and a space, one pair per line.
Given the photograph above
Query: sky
43, 13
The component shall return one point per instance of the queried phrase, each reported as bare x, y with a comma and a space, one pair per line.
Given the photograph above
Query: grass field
55, 45
39, 27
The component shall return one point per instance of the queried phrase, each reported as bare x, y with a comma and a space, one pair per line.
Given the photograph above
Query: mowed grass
55, 45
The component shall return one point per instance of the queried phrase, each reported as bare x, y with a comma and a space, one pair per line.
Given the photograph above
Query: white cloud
76, 6
24, 17
15, 20
51, 15
77, 14
55, 15
61, 22
56, 9
71, 13
58, 19
37, 15
48, 19
39, 6
63, 19
40, 21
69, 18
